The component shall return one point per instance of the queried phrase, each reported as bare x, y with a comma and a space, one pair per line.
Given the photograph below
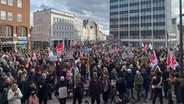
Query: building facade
51, 27
134, 22
101, 36
173, 37
91, 30
14, 25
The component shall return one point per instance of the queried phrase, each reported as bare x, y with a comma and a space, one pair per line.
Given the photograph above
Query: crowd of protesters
26, 79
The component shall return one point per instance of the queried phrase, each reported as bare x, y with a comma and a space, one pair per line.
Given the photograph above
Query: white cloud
94, 10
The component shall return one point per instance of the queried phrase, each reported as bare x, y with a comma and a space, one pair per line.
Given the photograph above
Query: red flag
154, 60
34, 56
116, 49
75, 43
95, 46
59, 47
168, 59
173, 62
145, 46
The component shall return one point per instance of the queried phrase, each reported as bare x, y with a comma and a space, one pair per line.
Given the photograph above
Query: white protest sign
58, 54
111, 51
69, 55
62, 92
53, 58
124, 55
51, 53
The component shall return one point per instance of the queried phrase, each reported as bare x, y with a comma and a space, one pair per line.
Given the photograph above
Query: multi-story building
51, 27
134, 22
14, 24
91, 30
101, 36
173, 37
78, 28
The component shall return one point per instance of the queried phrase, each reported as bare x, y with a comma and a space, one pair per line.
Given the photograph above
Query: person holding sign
61, 90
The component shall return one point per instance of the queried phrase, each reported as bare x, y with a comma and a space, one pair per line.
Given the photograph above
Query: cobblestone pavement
70, 101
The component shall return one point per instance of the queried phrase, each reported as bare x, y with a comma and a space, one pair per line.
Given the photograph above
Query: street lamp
181, 40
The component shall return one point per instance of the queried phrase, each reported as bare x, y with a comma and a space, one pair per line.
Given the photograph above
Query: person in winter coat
32, 94
121, 87
78, 90
6, 87
157, 85
171, 81
138, 80
165, 82
177, 88
123, 72
33, 99
130, 83
105, 87
61, 90
43, 89
14, 95
23, 85
181, 94
83, 69
95, 88
151, 76
145, 81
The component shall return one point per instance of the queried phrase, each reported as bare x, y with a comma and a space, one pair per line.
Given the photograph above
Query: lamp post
181, 40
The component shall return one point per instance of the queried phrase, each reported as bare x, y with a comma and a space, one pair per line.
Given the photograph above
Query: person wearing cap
95, 88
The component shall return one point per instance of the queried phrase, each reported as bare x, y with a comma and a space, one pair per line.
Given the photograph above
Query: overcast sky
93, 10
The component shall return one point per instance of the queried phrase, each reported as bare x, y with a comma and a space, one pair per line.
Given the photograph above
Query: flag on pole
142, 45
75, 43
173, 62
34, 56
95, 46
150, 46
154, 60
116, 49
145, 46
59, 47
168, 59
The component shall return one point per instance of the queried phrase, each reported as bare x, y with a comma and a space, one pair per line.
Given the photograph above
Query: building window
3, 15
19, 3
10, 2
10, 16
10, 31
19, 31
24, 31
3, 1
3, 30
19, 17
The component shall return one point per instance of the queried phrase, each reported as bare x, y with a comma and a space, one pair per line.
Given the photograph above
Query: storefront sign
22, 39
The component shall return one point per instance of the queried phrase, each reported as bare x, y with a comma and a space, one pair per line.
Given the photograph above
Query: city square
91, 52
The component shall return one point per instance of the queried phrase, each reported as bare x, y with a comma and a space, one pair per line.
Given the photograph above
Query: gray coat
138, 79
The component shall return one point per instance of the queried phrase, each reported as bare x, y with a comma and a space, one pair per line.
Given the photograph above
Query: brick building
14, 25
